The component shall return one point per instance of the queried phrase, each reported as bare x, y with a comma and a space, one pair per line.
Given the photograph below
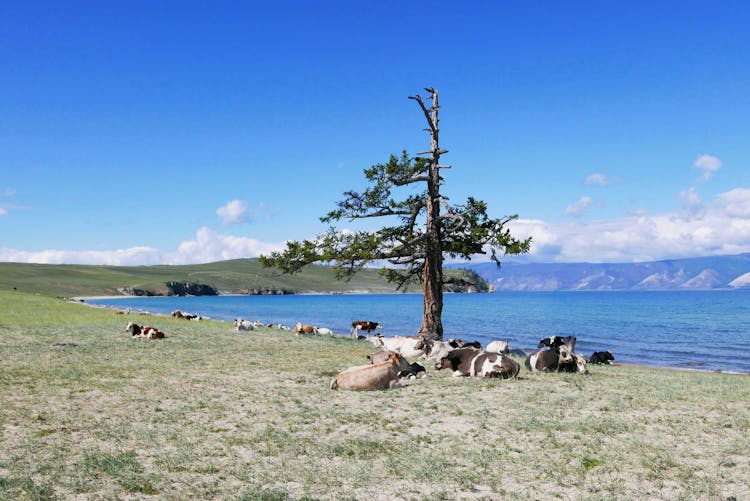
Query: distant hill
702, 273
238, 276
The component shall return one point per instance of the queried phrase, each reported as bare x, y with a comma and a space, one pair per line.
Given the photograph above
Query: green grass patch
205, 414
237, 276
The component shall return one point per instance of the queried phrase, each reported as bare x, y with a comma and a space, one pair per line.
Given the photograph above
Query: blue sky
180, 132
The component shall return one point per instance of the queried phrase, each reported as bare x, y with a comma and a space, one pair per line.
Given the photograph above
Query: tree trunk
432, 321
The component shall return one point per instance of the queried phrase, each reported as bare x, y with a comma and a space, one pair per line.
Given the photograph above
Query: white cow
243, 325
497, 347
438, 349
398, 344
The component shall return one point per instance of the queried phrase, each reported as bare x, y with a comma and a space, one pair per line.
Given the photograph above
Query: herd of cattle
299, 328
388, 366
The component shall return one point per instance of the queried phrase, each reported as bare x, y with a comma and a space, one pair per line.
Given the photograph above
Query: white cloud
709, 165
133, 256
207, 246
736, 203
3, 212
599, 179
691, 202
700, 228
576, 209
233, 212
721, 226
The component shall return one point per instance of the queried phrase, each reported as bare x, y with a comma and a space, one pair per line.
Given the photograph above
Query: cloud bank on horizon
697, 228
207, 246
718, 227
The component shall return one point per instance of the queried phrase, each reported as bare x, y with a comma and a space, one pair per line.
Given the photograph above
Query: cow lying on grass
136, 330
558, 357
380, 376
300, 328
415, 371
471, 362
576, 364
407, 346
601, 357
185, 315
240, 324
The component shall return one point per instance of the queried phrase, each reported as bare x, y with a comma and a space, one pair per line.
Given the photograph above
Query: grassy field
233, 276
88, 413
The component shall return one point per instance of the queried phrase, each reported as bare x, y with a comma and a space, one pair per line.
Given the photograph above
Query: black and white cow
471, 362
548, 360
555, 341
601, 357
576, 364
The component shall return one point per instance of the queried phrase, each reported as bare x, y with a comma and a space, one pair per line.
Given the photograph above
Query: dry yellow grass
209, 413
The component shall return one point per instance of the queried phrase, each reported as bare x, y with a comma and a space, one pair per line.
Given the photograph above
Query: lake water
702, 330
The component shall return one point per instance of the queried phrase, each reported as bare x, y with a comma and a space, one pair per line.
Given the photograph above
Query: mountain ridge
699, 273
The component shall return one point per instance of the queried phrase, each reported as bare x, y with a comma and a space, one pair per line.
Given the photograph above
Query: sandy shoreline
82, 299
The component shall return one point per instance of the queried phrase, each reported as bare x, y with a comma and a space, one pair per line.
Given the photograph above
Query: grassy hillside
207, 413
235, 276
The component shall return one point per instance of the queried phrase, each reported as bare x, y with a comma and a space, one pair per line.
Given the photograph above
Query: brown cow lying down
136, 330
185, 315
470, 362
380, 376
415, 370
300, 328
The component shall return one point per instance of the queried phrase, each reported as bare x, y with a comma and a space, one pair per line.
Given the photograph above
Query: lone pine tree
425, 227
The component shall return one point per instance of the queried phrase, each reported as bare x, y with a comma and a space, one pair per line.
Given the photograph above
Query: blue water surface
704, 330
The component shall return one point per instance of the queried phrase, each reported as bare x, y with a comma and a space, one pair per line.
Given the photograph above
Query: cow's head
497, 347
446, 362
605, 356
580, 361
438, 349
400, 361
565, 354
428, 346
